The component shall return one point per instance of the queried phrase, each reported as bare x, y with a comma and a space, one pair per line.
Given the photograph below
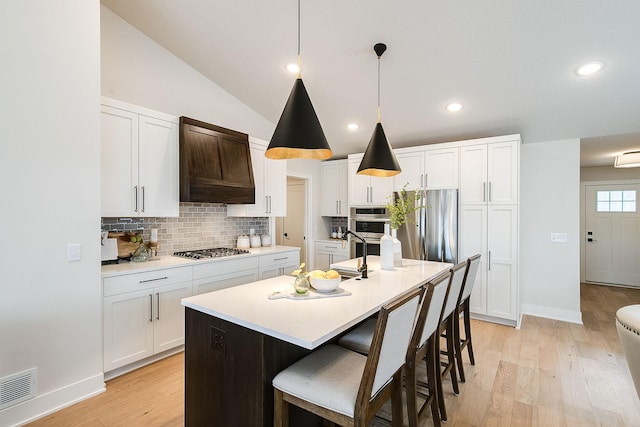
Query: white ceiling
511, 63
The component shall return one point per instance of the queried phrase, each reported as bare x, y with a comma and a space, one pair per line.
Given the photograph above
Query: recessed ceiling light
293, 68
352, 126
453, 107
590, 68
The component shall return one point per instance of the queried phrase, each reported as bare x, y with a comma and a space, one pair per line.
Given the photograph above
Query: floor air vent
18, 387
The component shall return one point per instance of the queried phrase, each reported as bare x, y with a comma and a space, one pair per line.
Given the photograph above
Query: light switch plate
74, 252
559, 237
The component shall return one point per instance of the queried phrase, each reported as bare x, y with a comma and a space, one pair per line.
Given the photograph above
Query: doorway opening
293, 229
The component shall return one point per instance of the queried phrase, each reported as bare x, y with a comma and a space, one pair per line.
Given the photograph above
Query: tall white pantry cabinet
488, 223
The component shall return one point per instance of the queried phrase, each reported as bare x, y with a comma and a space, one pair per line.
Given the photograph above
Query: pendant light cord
378, 89
299, 66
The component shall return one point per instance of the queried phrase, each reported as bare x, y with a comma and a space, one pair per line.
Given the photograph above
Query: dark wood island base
228, 374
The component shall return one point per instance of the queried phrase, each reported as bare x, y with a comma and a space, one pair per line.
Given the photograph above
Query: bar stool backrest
391, 339
470, 277
438, 288
457, 279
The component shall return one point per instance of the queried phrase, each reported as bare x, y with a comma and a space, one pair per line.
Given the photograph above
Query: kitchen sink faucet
363, 268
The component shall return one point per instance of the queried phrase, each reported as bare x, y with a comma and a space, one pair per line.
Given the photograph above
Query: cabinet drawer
219, 268
146, 280
279, 259
334, 247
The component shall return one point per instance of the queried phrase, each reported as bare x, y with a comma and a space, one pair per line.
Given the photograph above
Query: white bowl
324, 285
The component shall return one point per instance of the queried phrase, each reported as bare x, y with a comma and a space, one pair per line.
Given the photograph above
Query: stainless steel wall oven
369, 224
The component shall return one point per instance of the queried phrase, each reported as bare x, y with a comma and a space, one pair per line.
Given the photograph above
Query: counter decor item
255, 239
153, 243
243, 242
386, 250
141, 254
397, 249
401, 207
301, 282
266, 240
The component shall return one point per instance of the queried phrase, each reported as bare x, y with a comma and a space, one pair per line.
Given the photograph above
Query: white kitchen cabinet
278, 264
365, 190
142, 314
492, 231
209, 277
270, 178
334, 189
139, 161
489, 173
428, 168
328, 252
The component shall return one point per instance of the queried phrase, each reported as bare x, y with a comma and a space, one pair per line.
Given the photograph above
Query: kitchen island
237, 339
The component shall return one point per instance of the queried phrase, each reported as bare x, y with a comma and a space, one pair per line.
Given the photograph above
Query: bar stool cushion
359, 339
628, 325
314, 378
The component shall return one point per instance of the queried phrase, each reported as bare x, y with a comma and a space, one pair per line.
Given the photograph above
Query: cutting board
125, 247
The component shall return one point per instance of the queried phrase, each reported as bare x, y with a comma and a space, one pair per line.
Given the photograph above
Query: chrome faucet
363, 267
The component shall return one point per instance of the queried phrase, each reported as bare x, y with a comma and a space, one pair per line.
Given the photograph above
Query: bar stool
346, 387
424, 345
446, 330
463, 308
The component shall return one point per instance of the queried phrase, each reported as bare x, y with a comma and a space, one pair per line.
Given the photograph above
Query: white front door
612, 241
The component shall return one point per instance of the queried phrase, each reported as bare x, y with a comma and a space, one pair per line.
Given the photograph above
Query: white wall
136, 69
609, 173
50, 309
549, 203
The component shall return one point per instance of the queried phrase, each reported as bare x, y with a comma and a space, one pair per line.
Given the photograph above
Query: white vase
397, 249
386, 250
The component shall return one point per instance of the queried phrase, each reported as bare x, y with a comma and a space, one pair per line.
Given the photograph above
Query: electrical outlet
218, 341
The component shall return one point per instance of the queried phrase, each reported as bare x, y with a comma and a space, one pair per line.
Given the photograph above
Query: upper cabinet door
412, 175
119, 162
503, 173
473, 174
270, 185
333, 190
158, 168
365, 190
441, 168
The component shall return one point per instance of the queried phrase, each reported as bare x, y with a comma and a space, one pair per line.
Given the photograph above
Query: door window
616, 201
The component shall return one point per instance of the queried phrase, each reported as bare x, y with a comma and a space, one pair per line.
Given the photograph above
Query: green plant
401, 207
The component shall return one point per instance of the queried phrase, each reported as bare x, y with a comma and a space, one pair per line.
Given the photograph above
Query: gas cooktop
210, 253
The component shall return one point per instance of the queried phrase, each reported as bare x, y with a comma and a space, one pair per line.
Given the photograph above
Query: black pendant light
379, 159
298, 134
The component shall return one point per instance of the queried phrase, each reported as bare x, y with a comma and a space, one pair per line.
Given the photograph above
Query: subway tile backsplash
200, 225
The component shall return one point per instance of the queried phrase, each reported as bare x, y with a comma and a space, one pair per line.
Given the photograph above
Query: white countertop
310, 323
176, 261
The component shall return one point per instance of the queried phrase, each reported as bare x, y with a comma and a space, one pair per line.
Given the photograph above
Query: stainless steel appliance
210, 253
433, 235
369, 224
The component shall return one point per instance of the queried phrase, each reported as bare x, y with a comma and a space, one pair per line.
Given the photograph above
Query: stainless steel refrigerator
433, 233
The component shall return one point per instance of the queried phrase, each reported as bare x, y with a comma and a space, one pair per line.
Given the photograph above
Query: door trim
583, 218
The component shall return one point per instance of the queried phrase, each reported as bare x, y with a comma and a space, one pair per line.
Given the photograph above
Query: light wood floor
548, 373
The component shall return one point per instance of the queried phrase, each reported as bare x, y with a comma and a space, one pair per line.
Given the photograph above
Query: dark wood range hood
215, 164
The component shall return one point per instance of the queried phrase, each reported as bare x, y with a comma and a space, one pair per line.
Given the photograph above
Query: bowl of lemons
324, 281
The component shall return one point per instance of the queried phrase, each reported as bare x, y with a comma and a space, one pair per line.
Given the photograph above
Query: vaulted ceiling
510, 63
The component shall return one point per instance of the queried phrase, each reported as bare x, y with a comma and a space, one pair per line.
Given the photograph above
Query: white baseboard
53, 401
552, 313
